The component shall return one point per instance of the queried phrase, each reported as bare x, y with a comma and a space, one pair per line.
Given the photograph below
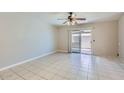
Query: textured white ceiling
90, 16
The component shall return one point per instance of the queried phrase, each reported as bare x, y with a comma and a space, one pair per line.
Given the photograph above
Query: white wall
24, 36
63, 39
121, 36
105, 34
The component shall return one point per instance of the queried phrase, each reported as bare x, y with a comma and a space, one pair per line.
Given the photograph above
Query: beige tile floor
64, 66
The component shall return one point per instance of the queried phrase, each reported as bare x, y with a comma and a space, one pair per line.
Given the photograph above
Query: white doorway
81, 41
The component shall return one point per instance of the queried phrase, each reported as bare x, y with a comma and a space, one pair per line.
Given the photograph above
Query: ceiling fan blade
65, 22
80, 18
62, 19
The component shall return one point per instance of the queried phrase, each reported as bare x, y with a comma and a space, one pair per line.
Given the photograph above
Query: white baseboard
64, 51
28, 60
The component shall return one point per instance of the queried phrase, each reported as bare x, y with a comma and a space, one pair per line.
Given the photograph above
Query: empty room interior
61, 46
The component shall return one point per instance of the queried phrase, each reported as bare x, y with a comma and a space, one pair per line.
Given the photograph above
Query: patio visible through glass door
86, 42
76, 42
81, 42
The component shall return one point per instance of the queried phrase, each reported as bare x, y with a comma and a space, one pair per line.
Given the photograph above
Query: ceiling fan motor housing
70, 18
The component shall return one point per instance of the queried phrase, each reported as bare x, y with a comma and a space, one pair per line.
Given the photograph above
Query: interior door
76, 42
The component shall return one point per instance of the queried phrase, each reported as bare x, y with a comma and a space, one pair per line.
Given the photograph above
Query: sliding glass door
76, 42
86, 42
81, 41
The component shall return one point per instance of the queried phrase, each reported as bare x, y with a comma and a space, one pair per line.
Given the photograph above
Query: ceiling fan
72, 19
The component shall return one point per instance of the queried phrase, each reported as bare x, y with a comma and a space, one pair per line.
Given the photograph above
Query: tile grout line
1, 77
18, 74
35, 73
88, 71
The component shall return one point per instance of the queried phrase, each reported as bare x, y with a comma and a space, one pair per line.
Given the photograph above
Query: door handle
94, 40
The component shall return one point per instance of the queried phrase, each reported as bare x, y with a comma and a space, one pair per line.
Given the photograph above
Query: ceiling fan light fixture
73, 23
68, 23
